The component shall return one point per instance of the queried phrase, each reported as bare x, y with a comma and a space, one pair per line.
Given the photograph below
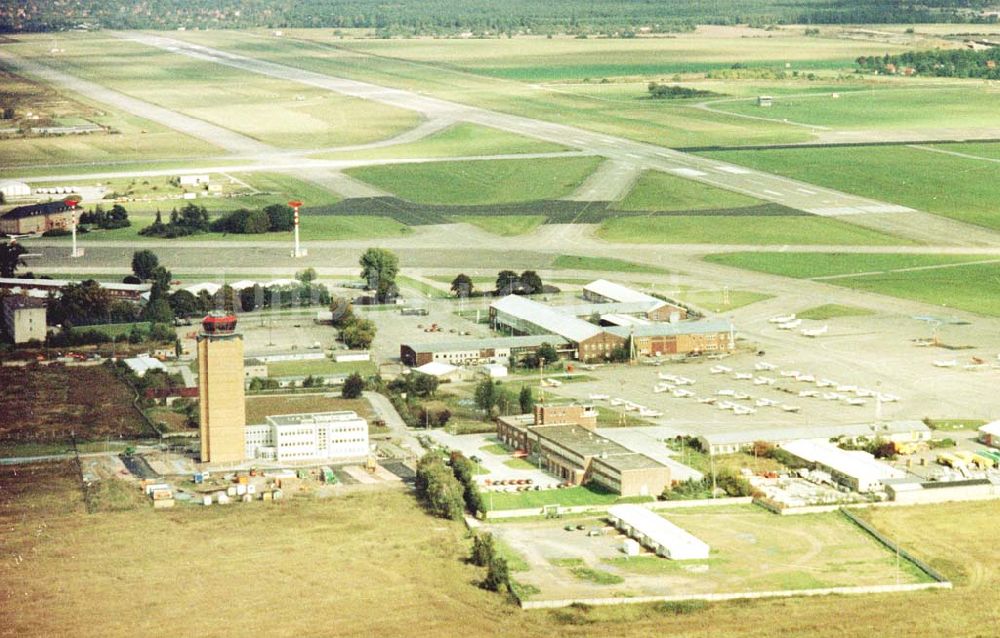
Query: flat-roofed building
603, 291
563, 440
524, 316
24, 318
42, 287
501, 350
855, 469
37, 218
989, 434
657, 533
656, 339
306, 437
738, 441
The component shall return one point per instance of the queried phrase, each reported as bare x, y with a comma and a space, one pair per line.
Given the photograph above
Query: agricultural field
480, 182
741, 229
458, 140
751, 550
272, 111
926, 178
950, 281
51, 405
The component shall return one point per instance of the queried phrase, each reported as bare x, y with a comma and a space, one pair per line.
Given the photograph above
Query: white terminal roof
854, 463
993, 429
677, 543
546, 318
618, 292
313, 418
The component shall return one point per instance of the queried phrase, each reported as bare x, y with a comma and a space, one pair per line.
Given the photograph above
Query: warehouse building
732, 442
605, 292
856, 469
308, 437
989, 434
498, 350
24, 318
657, 533
563, 440
37, 218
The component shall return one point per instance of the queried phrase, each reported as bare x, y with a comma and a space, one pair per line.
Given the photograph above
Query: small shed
438, 370
495, 370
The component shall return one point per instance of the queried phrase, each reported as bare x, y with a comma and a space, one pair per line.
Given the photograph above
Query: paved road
611, 181
383, 407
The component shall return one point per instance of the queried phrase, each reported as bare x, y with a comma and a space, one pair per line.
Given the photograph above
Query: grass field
833, 311
656, 191
481, 182
425, 289
504, 225
741, 229
413, 567
715, 300
318, 367
568, 496
458, 140
958, 187
944, 280
602, 264
273, 111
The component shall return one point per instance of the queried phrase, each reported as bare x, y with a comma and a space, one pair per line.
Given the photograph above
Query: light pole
297, 250
76, 252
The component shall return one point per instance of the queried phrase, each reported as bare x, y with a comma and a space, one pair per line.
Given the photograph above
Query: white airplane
789, 408
684, 381
720, 369
599, 397
649, 412
765, 403
942, 363
725, 405
808, 393
763, 381
631, 407
681, 394
763, 365
742, 410
667, 377
814, 332
789, 373
551, 383
832, 396
864, 392
791, 325
707, 400
850, 401
782, 318
847, 388
805, 378
743, 376
887, 398
660, 388
825, 383
726, 393
617, 402
742, 396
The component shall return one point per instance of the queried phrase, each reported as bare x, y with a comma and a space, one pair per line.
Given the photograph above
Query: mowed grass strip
945, 280
480, 182
957, 187
602, 264
737, 229
458, 140
657, 191
504, 225
834, 311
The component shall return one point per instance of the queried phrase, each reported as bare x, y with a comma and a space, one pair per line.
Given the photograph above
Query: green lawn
656, 191
833, 311
423, 288
480, 182
318, 367
578, 495
602, 264
114, 329
496, 449
520, 464
459, 140
504, 225
955, 283
961, 188
740, 229
715, 300
955, 424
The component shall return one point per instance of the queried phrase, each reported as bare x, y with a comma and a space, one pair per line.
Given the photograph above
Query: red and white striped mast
297, 250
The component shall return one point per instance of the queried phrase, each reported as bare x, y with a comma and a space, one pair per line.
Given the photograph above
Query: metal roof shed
657, 533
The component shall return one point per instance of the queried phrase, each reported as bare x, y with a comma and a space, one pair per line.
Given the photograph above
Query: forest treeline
622, 18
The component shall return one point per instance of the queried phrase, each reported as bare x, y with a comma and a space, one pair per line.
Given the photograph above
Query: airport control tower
220, 390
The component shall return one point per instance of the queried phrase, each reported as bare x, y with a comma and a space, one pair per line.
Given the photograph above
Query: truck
326, 472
